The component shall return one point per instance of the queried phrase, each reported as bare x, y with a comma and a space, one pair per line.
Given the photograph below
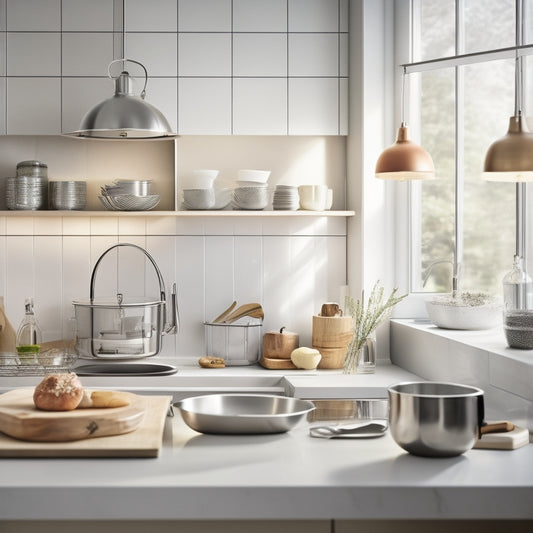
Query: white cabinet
216, 67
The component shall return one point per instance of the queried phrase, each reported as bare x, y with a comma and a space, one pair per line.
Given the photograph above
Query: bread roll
58, 392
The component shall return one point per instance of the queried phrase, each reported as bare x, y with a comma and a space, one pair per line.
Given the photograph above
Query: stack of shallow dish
286, 197
29, 190
252, 190
129, 195
68, 195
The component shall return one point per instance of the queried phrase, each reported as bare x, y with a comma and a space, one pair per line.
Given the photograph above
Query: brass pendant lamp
511, 157
404, 160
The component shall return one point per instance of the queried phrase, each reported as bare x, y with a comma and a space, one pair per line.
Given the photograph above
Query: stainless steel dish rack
48, 362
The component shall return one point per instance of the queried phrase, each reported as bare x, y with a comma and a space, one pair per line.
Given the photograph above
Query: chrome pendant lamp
124, 115
404, 160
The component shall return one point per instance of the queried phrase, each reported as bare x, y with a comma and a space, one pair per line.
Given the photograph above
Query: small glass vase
362, 361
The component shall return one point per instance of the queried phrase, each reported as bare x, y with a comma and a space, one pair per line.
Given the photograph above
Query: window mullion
459, 145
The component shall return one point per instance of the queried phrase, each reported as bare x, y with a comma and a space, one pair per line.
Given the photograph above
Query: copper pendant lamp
404, 160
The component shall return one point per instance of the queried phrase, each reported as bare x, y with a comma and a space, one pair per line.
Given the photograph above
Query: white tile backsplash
204, 54
259, 106
86, 54
204, 106
258, 15
289, 276
260, 54
313, 54
33, 54
80, 15
41, 116
204, 15
157, 15
313, 15
156, 51
320, 94
33, 15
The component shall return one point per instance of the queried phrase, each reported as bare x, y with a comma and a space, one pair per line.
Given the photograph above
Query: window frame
407, 195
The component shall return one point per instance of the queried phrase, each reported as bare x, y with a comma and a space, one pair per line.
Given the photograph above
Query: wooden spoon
226, 313
253, 310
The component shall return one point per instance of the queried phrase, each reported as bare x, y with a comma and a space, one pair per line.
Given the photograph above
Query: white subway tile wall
217, 67
290, 274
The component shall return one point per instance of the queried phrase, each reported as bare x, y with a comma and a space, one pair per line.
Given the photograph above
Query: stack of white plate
286, 198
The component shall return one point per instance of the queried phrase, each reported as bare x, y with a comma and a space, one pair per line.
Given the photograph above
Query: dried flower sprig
367, 318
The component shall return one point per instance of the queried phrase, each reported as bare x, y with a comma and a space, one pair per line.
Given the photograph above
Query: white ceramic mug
313, 197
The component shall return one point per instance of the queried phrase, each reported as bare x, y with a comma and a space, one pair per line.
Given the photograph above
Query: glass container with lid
32, 168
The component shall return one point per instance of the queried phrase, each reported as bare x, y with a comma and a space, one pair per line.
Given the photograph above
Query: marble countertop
283, 476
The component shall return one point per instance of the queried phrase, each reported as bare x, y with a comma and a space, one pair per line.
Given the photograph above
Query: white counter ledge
284, 476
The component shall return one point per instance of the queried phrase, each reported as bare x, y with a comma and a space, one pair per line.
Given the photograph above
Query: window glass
436, 29
528, 21
489, 207
489, 24
434, 200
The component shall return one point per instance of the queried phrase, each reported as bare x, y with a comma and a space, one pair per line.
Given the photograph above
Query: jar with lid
30, 187
32, 168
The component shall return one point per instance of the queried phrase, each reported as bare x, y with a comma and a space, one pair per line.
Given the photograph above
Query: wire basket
51, 361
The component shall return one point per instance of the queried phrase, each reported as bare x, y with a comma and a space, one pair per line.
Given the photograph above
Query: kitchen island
288, 476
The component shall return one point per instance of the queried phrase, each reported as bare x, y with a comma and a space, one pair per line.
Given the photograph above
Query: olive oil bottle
28, 336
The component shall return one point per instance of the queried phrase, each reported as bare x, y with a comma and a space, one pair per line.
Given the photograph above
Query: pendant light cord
402, 108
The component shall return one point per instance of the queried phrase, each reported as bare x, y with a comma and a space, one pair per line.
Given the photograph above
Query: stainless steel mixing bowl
435, 419
243, 413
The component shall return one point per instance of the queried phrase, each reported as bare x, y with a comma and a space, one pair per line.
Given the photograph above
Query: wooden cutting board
143, 420
276, 364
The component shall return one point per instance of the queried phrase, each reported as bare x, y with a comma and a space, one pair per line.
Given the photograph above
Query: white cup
329, 201
313, 197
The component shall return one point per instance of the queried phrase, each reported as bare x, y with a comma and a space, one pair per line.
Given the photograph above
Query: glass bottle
28, 335
518, 307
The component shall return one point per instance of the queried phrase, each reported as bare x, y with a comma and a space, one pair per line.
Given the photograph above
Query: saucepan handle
480, 414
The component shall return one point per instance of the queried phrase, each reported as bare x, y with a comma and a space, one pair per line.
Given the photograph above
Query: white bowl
199, 198
449, 314
200, 179
250, 197
222, 198
254, 175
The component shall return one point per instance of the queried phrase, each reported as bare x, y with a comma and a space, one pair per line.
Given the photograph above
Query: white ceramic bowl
260, 176
468, 317
222, 198
250, 197
199, 198
200, 179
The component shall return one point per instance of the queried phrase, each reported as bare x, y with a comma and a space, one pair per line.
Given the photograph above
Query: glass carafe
518, 307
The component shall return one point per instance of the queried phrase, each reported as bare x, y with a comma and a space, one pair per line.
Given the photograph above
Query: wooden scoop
224, 314
253, 310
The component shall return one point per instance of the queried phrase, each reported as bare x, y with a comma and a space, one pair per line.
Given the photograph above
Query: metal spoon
357, 431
